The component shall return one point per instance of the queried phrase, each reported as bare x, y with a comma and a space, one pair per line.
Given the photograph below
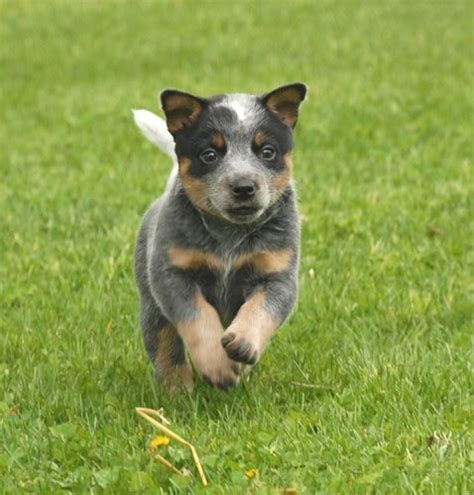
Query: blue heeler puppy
217, 254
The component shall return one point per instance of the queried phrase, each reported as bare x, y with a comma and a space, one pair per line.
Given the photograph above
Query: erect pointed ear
285, 101
181, 109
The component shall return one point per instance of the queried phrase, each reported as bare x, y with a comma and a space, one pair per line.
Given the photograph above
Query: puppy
217, 254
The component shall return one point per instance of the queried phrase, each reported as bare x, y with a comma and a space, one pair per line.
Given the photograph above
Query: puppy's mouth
243, 214
243, 210
235, 213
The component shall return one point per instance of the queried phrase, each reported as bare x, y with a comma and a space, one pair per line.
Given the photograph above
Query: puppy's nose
243, 188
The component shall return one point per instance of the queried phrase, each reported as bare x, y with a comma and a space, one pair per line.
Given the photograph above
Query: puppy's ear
181, 109
285, 101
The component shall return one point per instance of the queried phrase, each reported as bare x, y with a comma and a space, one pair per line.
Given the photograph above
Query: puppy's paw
215, 367
224, 378
239, 348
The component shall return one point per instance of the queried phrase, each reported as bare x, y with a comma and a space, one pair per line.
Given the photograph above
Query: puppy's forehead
241, 111
243, 106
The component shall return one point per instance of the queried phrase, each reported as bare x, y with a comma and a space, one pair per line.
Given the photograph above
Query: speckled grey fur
167, 292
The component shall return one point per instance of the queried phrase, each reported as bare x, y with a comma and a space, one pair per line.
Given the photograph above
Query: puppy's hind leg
165, 348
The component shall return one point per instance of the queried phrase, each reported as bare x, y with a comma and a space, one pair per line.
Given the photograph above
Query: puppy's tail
154, 128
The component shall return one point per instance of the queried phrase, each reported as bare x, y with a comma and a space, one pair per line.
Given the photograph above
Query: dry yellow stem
198, 465
168, 464
146, 414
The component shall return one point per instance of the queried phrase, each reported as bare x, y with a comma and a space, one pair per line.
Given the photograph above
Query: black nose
243, 188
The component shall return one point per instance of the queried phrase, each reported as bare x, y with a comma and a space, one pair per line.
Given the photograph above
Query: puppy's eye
268, 152
209, 156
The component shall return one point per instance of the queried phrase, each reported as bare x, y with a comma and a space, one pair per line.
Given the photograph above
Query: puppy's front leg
197, 323
201, 336
258, 319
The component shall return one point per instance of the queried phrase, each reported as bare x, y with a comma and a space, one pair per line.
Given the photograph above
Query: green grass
384, 320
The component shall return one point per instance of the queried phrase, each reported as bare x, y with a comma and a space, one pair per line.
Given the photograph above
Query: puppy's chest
226, 288
227, 278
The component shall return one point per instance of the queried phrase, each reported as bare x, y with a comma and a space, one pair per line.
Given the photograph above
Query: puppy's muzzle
243, 189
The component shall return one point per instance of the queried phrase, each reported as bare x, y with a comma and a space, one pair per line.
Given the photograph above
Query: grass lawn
383, 328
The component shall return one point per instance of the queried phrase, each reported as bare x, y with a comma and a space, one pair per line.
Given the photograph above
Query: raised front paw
216, 369
223, 377
239, 348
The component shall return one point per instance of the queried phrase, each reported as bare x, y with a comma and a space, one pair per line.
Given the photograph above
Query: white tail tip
154, 128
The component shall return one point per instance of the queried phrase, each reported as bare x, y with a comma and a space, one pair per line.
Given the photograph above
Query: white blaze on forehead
244, 106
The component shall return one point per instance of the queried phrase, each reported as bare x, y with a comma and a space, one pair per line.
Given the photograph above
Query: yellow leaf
158, 442
250, 474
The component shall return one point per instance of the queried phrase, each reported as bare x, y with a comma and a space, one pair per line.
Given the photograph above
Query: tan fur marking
181, 110
288, 161
173, 375
285, 104
195, 188
184, 166
254, 313
254, 323
266, 261
189, 259
290, 95
166, 340
281, 181
185, 376
205, 326
201, 337
259, 138
181, 101
218, 140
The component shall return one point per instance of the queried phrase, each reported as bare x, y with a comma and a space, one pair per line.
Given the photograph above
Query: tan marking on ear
259, 138
218, 141
181, 110
283, 96
266, 261
284, 103
191, 259
202, 338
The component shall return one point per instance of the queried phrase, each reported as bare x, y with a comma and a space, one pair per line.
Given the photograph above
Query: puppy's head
234, 151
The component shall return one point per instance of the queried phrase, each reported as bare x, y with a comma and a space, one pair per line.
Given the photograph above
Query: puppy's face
234, 151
